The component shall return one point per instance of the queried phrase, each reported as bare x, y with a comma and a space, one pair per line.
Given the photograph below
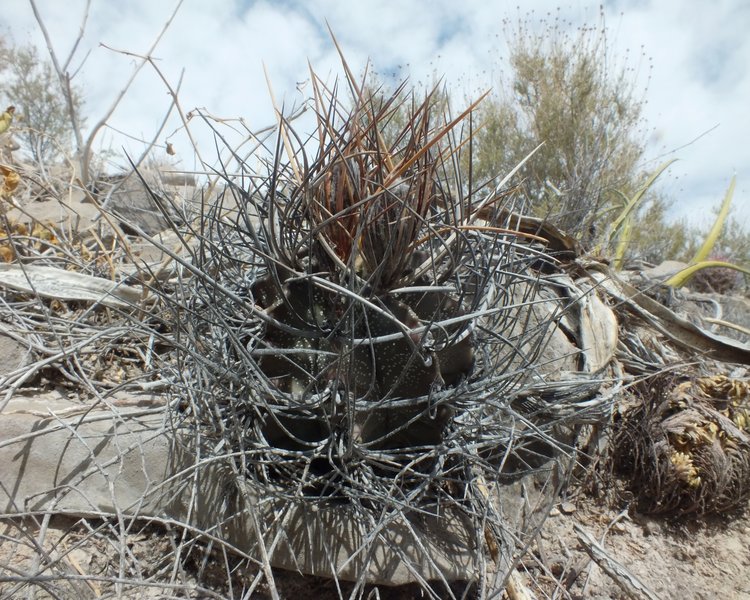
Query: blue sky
699, 54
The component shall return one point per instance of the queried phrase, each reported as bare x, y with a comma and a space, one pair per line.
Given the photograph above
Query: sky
692, 57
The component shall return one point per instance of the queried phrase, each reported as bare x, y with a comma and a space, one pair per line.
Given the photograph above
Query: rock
74, 214
13, 355
135, 200
126, 458
567, 508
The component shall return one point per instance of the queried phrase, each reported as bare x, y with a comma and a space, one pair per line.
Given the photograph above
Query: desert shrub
43, 127
718, 280
734, 243
565, 90
655, 238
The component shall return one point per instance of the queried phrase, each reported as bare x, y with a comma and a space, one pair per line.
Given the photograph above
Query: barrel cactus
359, 324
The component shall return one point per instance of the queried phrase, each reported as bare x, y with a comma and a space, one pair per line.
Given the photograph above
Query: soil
699, 559
695, 560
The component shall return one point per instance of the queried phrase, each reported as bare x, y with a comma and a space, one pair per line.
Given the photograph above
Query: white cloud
700, 56
700, 85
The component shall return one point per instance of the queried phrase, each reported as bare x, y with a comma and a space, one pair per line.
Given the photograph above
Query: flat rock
124, 458
150, 200
74, 213
13, 355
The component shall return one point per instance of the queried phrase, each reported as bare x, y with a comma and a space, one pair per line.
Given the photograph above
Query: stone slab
123, 458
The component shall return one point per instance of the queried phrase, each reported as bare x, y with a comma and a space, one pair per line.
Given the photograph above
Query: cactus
355, 331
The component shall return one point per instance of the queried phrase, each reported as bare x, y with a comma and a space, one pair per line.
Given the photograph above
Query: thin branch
86, 158
63, 78
85, 147
81, 31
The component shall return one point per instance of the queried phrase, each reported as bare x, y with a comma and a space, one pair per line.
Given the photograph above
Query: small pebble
554, 512
568, 508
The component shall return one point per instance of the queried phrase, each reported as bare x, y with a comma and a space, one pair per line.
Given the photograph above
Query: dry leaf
10, 181
6, 254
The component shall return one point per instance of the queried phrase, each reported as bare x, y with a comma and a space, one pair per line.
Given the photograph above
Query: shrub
563, 90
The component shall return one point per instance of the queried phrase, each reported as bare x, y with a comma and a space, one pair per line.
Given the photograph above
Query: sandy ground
700, 559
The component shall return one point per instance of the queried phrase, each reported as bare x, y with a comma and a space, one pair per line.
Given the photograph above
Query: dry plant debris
684, 445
